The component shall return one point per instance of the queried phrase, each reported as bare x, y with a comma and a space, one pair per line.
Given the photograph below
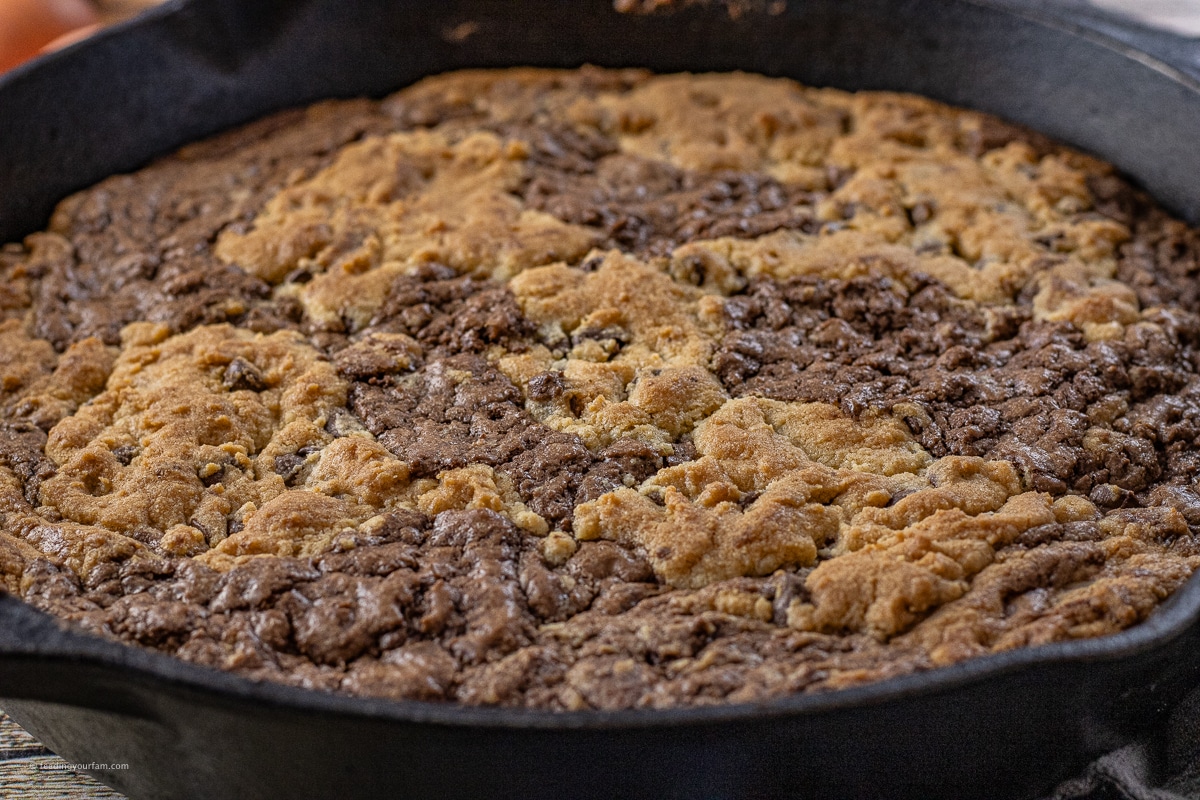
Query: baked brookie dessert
597, 389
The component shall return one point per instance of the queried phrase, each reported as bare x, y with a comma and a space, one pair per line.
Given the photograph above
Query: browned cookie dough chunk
599, 389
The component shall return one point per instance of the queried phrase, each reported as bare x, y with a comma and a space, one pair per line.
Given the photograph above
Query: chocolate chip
211, 478
290, 466
300, 275
591, 264
204, 530
921, 212
546, 386
242, 375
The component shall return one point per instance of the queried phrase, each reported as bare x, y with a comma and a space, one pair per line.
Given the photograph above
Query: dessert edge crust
600, 389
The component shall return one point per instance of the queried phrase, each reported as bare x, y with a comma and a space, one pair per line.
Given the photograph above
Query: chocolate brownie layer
599, 389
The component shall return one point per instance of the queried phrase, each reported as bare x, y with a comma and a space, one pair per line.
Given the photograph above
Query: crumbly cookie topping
598, 389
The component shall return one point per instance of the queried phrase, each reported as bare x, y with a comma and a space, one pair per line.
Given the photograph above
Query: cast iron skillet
1010, 725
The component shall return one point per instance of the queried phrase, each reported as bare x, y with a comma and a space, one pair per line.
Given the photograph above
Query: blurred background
1177, 16
31, 27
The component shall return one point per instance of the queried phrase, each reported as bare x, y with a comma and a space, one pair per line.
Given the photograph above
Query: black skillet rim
71, 647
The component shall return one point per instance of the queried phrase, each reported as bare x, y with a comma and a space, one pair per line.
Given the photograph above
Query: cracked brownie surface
600, 389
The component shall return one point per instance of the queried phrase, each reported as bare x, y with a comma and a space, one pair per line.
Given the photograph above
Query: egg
26, 26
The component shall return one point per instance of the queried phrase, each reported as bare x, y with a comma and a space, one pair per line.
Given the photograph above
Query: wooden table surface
29, 771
